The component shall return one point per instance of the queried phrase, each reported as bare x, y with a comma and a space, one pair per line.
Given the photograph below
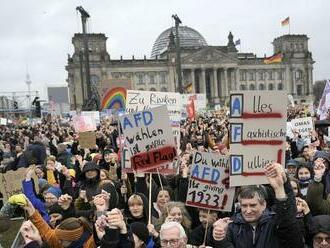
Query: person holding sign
257, 226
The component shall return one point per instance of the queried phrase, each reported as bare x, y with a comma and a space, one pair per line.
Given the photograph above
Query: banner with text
209, 182
304, 126
148, 138
257, 134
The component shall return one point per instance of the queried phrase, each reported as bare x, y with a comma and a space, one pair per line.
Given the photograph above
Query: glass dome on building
188, 38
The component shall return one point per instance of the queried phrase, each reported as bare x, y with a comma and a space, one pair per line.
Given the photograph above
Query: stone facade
214, 70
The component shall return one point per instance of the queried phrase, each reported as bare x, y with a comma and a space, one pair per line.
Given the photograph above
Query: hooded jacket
130, 219
90, 185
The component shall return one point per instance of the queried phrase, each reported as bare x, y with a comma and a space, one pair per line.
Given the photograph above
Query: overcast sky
38, 33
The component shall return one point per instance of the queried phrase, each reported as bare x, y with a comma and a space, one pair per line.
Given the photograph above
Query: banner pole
161, 186
150, 200
207, 225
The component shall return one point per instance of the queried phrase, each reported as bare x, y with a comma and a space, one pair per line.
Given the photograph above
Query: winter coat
48, 235
315, 200
274, 229
28, 190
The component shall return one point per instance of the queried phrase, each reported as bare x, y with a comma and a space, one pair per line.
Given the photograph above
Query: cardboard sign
148, 138
289, 132
200, 101
11, 182
84, 123
3, 121
303, 125
143, 100
257, 134
87, 139
209, 182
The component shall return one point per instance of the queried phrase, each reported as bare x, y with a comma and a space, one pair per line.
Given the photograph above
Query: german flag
276, 58
285, 22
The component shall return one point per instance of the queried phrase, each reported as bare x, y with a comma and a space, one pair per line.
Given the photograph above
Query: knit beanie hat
54, 191
140, 230
42, 183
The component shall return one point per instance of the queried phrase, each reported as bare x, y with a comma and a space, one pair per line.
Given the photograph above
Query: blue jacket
28, 190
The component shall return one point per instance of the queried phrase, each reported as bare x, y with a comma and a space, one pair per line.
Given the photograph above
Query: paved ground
7, 238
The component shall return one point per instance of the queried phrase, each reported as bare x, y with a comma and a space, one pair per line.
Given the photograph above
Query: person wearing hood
137, 209
320, 231
90, 179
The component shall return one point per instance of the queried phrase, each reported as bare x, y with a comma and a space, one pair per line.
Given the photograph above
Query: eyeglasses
320, 240
170, 242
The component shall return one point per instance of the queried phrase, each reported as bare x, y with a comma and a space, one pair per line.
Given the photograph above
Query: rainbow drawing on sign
114, 98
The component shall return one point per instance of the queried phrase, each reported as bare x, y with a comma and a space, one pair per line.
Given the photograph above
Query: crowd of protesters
84, 199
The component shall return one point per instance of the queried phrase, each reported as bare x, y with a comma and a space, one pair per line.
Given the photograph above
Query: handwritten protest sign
303, 125
83, 123
257, 134
11, 182
3, 121
200, 101
148, 138
209, 182
143, 100
87, 139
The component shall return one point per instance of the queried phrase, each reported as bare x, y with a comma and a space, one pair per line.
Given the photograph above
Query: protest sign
87, 139
3, 121
289, 132
83, 123
11, 182
303, 126
148, 138
200, 101
209, 182
257, 134
143, 100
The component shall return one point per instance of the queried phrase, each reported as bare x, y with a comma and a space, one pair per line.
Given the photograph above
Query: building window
162, 78
251, 76
152, 89
280, 86
252, 87
163, 89
271, 75
141, 79
242, 87
298, 74
243, 75
261, 87
299, 90
270, 87
141, 89
152, 79
279, 75
261, 75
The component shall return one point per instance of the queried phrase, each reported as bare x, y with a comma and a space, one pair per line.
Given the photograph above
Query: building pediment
209, 55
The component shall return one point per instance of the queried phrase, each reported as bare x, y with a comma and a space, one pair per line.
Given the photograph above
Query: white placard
147, 134
303, 125
209, 182
258, 134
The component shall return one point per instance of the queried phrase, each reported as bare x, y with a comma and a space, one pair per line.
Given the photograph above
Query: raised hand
319, 168
101, 203
100, 225
29, 173
276, 177
302, 206
220, 228
29, 208
115, 218
152, 230
65, 201
30, 233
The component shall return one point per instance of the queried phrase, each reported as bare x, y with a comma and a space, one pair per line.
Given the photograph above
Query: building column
226, 83
237, 79
203, 83
215, 83
192, 77
310, 80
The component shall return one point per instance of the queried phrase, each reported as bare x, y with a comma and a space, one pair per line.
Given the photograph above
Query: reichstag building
214, 70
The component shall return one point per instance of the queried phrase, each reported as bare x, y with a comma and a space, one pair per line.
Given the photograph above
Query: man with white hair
173, 235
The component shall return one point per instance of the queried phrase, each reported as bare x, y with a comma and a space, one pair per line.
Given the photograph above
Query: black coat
277, 229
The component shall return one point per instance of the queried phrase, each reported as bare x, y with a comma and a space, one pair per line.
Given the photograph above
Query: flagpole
289, 28
240, 47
